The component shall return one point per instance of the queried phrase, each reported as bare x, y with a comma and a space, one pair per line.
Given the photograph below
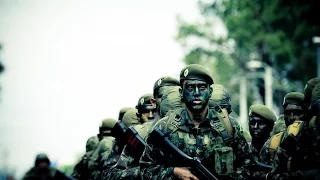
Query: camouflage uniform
209, 142
37, 173
105, 145
80, 170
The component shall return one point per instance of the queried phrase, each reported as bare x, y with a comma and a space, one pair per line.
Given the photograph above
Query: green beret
308, 89
196, 72
315, 94
130, 118
296, 98
145, 102
171, 100
165, 81
262, 111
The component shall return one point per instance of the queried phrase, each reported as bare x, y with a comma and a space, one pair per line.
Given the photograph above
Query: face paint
292, 112
147, 115
196, 95
259, 127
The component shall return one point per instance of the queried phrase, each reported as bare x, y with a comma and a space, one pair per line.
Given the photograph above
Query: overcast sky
69, 64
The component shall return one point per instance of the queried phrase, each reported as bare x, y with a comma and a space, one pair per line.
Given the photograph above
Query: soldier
198, 132
220, 101
80, 170
43, 171
105, 145
294, 109
261, 121
146, 108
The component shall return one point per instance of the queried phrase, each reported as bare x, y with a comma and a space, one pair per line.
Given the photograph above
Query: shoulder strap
274, 143
295, 127
219, 124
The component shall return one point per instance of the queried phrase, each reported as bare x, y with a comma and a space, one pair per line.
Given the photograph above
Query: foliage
277, 32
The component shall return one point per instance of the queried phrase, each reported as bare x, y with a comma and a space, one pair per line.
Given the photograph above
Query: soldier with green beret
261, 121
146, 108
105, 146
294, 109
220, 101
80, 170
122, 111
197, 131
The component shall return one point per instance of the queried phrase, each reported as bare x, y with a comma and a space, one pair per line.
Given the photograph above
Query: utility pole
316, 40
243, 102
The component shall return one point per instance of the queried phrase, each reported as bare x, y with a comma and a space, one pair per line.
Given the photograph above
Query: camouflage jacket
208, 142
80, 170
105, 146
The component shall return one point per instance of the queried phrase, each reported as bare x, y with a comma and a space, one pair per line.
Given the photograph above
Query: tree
277, 32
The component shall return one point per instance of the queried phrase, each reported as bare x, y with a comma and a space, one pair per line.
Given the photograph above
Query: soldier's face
292, 113
196, 95
43, 165
259, 127
147, 114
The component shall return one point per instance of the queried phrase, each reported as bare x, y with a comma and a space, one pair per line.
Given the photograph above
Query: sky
71, 63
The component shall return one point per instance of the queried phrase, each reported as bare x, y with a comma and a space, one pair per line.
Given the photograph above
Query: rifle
158, 139
118, 132
135, 141
128, 136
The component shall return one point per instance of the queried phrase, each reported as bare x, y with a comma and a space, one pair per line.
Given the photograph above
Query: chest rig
175, 123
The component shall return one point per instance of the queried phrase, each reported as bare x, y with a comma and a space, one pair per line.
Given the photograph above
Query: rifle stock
135, 141
118, 132
158, 139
